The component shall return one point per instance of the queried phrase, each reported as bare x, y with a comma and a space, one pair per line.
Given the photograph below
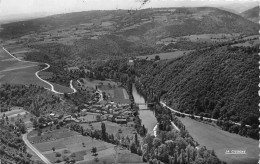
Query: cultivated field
220, 141
24, 76
70, 144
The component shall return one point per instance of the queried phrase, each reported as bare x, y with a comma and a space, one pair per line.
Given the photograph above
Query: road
37, 74
212, 119
43, 158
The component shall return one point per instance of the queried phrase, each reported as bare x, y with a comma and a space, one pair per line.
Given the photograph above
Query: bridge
144, 103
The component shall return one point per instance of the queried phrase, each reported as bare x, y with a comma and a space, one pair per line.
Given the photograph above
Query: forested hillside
221, 83
34, 99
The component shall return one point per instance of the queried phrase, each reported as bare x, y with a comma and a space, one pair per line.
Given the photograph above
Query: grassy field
24, 76
112, 128
4, 55
167, 55
69, 144
89, 117
61, 88
220, 141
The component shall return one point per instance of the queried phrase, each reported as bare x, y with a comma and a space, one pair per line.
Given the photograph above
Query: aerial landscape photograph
129, 82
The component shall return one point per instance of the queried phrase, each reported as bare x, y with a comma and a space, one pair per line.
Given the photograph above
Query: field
70, 144
116, 93
17, 72
89, 117
220, 141
24, 76
167, 55
112, 128
61, 88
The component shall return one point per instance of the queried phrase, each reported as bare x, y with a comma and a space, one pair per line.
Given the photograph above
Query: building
83, 112
120, 120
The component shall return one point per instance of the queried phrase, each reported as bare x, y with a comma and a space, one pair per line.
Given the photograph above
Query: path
28, 144
37, 75
212, 119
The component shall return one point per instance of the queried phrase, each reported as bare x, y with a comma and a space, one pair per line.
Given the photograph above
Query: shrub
58, 154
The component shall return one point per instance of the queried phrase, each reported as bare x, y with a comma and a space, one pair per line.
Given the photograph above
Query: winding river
147, 116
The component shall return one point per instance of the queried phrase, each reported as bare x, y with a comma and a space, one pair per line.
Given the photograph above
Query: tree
39, 131
94, 151
133, 148
103, 129
157, 57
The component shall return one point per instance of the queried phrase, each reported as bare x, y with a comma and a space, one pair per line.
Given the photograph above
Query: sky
16, 8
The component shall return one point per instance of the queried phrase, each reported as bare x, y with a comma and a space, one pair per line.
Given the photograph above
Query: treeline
113, 46
12, 147
130, 142
171, 146
34, 99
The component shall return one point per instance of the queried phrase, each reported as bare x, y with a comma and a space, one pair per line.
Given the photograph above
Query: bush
66, 151
58, 154
58, 161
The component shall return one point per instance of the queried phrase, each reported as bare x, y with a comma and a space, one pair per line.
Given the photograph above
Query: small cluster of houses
111, 111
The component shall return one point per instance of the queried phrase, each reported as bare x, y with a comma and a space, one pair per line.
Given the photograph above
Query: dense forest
12, 147
34, 99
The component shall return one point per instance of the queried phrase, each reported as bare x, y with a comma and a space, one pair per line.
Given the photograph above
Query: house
110, 117
120, 120
83, 112
130, 124
130, 62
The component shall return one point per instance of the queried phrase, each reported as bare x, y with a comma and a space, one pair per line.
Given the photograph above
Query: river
147, 116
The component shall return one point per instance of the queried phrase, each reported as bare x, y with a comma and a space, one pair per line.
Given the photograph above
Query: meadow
24, 76
219, 140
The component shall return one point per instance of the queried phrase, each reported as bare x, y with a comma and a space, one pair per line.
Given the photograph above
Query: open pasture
220, 141
72, 146
24, 76
4, 55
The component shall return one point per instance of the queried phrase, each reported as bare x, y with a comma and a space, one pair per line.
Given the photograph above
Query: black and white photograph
129, 82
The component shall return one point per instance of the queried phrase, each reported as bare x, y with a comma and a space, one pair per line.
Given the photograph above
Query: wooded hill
252, 14
221, 83
218, 82
148, 24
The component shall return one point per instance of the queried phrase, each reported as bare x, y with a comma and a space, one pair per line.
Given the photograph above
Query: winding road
37, 74
212, 119
39, 154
